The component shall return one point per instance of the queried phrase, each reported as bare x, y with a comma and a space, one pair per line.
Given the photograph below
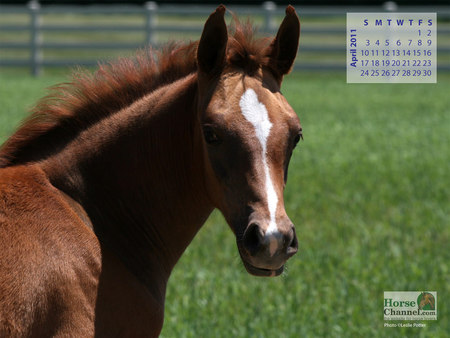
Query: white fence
316, 50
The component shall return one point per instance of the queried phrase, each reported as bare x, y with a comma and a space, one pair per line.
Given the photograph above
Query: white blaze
256, 113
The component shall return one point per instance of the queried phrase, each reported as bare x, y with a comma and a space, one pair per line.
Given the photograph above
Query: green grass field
368, 190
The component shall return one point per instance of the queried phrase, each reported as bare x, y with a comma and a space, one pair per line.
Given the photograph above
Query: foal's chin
262, 272
259, 271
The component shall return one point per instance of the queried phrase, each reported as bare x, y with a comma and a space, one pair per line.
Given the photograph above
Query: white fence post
35, 57
150, 7
269, 10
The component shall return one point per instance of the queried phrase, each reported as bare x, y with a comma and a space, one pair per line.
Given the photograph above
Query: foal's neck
139, 174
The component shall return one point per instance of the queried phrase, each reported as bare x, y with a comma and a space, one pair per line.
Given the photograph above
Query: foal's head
250, 132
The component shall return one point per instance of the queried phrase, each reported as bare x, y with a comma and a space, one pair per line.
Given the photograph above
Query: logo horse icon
426, 301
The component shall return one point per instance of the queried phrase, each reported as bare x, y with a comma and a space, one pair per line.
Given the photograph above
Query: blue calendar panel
391, 47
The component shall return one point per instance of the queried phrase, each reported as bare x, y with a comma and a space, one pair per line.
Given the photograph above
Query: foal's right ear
284, 47
213, 43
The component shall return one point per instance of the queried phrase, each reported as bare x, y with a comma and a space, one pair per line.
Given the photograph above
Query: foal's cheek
220, 169
221, 172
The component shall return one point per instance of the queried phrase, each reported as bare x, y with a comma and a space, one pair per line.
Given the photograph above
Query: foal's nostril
292, 247
253, 238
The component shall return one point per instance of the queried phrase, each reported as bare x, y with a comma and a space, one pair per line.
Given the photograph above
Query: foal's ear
284, 47
213, 43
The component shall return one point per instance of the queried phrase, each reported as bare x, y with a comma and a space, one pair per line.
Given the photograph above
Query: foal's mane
89, 97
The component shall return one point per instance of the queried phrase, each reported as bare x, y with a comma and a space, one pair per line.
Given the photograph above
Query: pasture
368, 191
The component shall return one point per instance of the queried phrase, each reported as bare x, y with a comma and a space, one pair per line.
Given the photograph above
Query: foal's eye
298, 137
210, 136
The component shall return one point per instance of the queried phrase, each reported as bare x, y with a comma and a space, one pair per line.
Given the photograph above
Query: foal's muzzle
264, 250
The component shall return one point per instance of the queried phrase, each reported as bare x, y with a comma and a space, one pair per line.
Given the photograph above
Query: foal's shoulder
50, 261
34, 211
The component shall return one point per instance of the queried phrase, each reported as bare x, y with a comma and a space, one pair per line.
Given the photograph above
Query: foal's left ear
213, 43
284, 47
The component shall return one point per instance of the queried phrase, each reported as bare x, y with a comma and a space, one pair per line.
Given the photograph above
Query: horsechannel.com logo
410, 305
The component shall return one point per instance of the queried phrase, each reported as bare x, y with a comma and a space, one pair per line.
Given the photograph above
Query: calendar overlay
391, 48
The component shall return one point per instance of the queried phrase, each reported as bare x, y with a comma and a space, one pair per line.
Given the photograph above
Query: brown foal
106, 184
